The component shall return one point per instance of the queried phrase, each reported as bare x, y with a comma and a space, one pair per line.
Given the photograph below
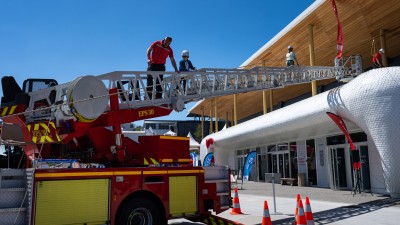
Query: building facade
302, 139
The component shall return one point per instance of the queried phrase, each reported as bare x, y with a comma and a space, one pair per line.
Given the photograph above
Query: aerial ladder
82, 120
122, 97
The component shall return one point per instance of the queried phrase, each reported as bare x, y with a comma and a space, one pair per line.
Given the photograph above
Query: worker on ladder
157, 55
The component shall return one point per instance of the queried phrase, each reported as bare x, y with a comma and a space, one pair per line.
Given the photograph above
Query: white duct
370, 102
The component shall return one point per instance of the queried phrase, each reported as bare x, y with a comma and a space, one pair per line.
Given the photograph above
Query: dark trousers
183, 82
376, 65
150, 80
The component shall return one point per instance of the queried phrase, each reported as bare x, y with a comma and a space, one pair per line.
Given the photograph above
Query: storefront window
283, 147
293, 159
358, 137
241, 157
311, 163
336, 140
271, 148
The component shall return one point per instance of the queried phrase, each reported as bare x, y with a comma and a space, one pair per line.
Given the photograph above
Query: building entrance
280, 163
337, 159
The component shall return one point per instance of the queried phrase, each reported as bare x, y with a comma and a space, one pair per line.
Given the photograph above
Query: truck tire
139, 211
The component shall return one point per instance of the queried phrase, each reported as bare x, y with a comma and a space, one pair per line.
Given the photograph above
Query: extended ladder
133, 91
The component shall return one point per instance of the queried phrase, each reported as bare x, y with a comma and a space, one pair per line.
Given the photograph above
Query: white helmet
185, 53
381, 50
289, 47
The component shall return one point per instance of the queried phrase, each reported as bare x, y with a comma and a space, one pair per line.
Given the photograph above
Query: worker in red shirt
157, 55
377, 59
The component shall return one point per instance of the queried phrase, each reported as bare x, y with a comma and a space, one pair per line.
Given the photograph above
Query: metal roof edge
193, 107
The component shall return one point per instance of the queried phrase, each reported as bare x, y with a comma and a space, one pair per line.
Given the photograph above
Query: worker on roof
291, 57
377, 59
157, 55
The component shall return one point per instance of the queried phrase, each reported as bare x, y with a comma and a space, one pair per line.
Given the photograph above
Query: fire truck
81, 169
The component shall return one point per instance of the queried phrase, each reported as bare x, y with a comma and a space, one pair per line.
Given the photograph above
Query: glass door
262, 166
364, 160
338, 167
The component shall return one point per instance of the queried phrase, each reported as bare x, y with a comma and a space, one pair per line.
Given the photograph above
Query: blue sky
64, 39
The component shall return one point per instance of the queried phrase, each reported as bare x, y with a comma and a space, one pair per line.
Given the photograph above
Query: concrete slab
329, 207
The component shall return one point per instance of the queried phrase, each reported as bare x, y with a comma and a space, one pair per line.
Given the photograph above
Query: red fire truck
84, 171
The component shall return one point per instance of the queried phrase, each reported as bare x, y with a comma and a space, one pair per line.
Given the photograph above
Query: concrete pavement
328, 206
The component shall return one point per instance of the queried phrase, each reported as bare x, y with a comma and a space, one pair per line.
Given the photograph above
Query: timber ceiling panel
361, 22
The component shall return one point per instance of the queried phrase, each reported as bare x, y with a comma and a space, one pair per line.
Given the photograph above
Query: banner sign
340, 123
248, 164
339, 38
209, 159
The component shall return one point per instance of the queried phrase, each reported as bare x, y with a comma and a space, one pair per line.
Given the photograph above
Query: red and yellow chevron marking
8, 110
153, 161
215, 220
43, 132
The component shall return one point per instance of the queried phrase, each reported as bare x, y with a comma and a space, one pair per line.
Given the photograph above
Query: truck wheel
139, 211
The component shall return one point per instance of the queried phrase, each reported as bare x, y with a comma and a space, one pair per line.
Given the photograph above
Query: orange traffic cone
301, 218
236, 204
308, 213
298, 198
266, 220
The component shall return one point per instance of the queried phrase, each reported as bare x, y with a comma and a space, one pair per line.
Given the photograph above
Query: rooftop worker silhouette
291, 57
377, 59
157, 55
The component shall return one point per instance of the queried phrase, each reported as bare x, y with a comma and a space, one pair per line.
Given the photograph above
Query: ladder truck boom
91, 103
147, 181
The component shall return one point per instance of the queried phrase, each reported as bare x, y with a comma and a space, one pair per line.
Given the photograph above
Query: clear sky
64, 39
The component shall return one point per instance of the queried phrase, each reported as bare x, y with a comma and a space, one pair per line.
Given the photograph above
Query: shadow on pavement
345, 212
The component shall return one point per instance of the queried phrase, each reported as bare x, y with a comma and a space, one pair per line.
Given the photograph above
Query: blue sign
248, 164
208, 160
193, 156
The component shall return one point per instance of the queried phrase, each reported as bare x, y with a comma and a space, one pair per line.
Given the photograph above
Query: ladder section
219, 176
14, 199
170, 89
211, 82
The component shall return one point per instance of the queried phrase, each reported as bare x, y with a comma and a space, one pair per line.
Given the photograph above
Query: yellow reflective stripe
183, 171
213, 221
171, 160
75, 174
118, 173
183, 160
166, 160
29, 127
4, 111
145, 162
44, 138
154, 161
35, 128
81, 174
174, 138
12, 109
155, 172
45, 127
